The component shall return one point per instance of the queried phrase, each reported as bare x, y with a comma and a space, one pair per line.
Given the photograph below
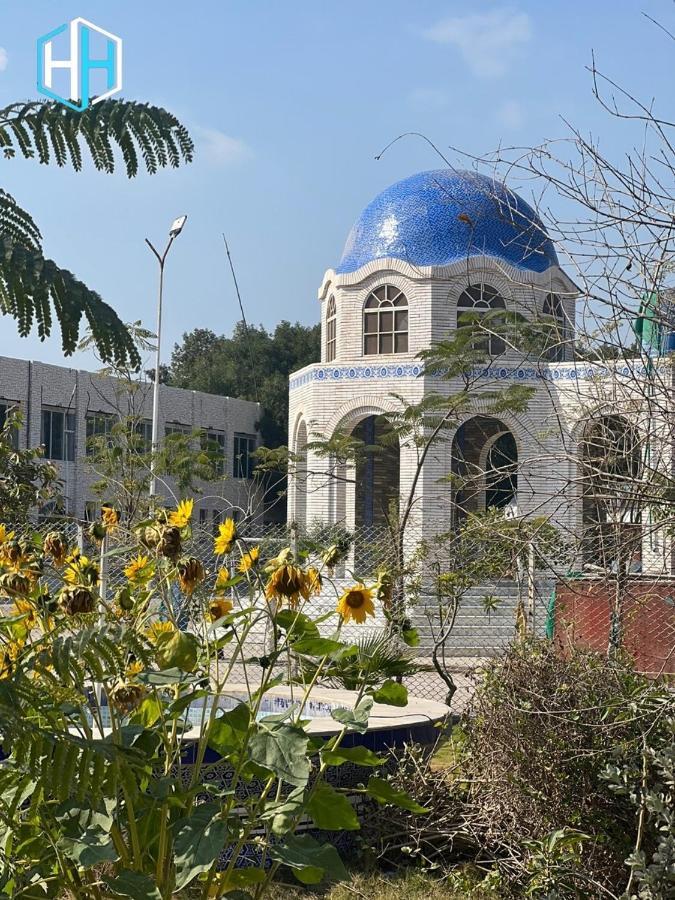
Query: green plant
26, 479
35, 289
370, 660
108, 710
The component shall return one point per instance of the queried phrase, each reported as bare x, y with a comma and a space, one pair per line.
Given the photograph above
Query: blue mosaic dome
436, 218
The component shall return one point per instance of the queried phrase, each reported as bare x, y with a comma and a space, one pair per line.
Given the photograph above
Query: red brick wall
582, 618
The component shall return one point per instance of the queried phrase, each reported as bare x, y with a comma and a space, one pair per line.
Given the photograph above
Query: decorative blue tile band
569, 372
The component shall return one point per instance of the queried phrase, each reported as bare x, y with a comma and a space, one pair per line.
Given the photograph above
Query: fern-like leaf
30, 285
53, 132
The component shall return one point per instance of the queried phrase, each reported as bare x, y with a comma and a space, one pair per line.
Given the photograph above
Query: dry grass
402, 886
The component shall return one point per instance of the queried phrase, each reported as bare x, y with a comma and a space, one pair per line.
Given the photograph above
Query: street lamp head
177, 226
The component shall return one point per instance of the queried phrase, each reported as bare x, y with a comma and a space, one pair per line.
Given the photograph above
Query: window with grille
244, 447
58, 434
99, 425
475, 303
143, 431
213, 443
385, 321
331, 330
554, 319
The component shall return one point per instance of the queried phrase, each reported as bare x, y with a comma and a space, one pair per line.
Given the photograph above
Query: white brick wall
34, 385
547, 435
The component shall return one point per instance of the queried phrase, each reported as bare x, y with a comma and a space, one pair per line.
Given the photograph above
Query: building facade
439, 251
64, 409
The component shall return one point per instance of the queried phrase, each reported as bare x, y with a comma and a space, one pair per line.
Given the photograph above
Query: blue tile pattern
439, 217
544, 372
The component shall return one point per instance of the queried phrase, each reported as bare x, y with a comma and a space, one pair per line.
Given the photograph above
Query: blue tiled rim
508, 373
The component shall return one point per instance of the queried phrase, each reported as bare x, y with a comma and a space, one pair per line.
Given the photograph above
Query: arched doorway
484, 466
610, 466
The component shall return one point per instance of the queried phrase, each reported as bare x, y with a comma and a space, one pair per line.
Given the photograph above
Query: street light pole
174, 231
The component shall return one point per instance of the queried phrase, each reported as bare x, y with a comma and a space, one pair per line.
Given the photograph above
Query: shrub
561, 775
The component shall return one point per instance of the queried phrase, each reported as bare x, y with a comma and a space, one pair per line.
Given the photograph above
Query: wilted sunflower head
55, 545
384, 586
314, 581
190, 573
287, 583
76, 599
219, 607
356, 603
126, 696
109, 516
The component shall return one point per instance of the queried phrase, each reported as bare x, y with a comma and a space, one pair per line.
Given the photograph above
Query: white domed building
426, 250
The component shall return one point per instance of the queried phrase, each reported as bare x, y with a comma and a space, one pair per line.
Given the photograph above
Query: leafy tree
253, 364
34, 289
26, 480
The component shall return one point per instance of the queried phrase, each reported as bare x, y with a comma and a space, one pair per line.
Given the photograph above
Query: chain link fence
458, 642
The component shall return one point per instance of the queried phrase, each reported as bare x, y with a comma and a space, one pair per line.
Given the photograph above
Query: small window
213, 443
244, 447
474, 303
5, 409
143, 432
331, 332
58, 434
99, 425
173, 429
554, 320
385, 321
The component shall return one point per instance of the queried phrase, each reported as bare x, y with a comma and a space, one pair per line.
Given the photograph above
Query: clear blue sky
288, 103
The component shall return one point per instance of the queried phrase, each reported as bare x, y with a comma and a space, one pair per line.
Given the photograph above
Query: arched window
554, 320
474, 303
331, 333
385, 321
610, 457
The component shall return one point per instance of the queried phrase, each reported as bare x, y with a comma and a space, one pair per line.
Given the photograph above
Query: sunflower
227, 535
139, 569
80, 569
249, 560
109, 516
134, 668
190, 573
222, 579
356, 603
314, 581
219, 607
156, 629
181, 516
5, 535
8, 656
26, 609
287, 583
